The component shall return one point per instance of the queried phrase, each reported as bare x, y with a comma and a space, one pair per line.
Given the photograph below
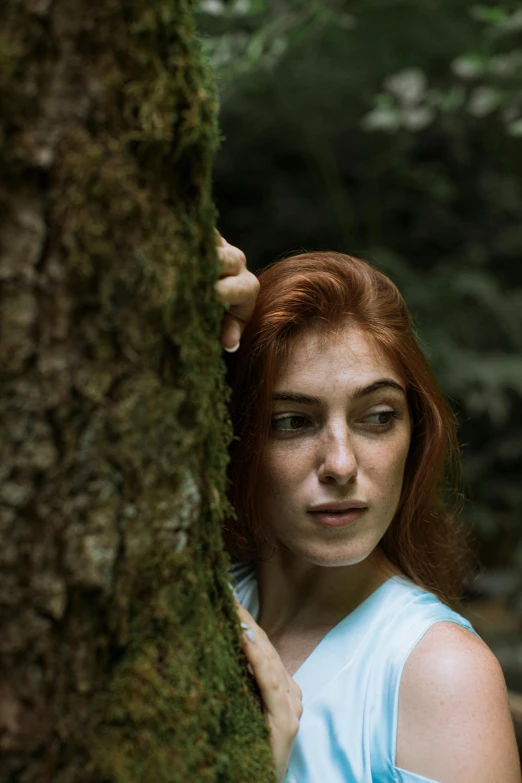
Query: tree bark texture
119, 650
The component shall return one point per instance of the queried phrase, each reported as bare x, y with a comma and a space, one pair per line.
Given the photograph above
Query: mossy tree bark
119, 646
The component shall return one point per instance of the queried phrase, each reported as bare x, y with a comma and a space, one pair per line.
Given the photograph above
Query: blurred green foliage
392, 130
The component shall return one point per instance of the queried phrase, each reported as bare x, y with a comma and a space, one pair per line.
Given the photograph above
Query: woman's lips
338, 518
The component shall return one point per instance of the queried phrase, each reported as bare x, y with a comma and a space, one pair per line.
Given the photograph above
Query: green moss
132, 223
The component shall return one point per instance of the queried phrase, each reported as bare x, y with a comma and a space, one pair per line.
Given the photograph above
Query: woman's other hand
280, 693
237, 287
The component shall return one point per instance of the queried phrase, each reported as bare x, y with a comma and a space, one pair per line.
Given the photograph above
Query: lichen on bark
119, 648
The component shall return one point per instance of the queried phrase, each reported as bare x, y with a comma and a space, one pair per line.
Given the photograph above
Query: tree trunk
119, 650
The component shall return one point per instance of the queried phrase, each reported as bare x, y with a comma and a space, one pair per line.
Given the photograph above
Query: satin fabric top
350, 683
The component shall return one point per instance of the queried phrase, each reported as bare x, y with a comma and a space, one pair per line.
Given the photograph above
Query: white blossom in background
385, 118
241, 7
510, 24
483, 101
468, 66
506, 64
409, 85
416, 118
212, 7
515, 128
405, 104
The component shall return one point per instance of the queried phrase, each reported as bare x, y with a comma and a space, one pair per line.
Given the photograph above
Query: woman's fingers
246, 618
240, 291
232, 259
297, 699
238, 288
280, 693
273, 681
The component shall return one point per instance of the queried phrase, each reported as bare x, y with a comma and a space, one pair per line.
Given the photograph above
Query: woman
347, 555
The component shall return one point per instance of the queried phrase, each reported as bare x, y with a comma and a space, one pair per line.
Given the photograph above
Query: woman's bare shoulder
454, 724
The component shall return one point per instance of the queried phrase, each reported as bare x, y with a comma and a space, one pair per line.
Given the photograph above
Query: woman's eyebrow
294, 397
306, 399
385, 382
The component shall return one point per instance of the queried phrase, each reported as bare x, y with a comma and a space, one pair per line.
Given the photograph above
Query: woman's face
340, 435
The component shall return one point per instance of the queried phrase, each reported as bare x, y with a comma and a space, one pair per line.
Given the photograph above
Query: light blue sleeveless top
350, 683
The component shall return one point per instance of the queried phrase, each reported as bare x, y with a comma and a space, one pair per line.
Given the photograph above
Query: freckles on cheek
387, 467
283, 468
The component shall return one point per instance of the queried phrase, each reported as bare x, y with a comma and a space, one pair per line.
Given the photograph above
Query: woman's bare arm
454, 723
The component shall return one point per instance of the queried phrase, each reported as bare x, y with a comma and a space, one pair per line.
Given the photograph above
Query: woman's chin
330, 555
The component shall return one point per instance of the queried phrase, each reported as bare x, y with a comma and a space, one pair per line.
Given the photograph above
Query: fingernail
234, 349
248, 632
250, 669
234, 333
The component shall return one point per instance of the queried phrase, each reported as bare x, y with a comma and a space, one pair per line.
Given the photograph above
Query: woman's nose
338, 459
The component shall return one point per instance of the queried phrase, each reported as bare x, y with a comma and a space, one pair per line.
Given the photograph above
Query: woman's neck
294, 593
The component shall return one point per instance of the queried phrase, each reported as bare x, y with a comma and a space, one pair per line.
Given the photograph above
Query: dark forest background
392, 130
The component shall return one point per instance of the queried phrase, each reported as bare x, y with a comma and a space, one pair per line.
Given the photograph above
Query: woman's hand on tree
280, 693
238, 288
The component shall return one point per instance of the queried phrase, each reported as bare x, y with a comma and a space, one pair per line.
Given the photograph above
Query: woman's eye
289, 423
382, 419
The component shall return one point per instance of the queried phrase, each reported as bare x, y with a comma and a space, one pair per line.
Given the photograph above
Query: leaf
256, 47
448, 101
489, 14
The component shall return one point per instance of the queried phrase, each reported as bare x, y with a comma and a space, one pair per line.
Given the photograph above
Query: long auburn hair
319, 291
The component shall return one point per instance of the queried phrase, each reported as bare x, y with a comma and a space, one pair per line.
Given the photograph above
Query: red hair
320, 291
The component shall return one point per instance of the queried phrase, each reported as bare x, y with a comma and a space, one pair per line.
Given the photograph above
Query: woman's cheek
287, 462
